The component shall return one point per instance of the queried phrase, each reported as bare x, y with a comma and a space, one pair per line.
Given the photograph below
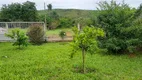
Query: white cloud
77, 4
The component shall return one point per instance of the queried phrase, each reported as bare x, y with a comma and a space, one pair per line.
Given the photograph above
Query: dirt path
58, 39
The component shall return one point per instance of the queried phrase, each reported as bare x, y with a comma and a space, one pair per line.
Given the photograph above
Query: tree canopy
49, 6
19, 12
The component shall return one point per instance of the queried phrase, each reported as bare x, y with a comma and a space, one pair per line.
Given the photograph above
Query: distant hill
72, 13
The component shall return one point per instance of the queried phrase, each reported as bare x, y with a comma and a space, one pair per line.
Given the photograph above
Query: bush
36, 34
62, 34
117, 21
20, 38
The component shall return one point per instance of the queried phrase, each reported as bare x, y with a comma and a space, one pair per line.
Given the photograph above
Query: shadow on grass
79, 69
104, 52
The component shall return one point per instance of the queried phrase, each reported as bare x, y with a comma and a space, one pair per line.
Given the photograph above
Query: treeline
27, 12
19, 12
55, 20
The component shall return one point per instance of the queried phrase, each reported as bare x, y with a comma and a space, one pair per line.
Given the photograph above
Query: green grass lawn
51, 61
50, 32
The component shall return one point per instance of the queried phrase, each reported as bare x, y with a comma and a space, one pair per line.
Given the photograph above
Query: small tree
20, 38
86, 40
49, 6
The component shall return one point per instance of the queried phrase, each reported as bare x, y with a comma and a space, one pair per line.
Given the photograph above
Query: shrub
62, 34
117, 22
36, 34
19, 37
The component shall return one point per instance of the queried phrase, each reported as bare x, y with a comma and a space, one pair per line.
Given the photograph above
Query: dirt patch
58, 39
68, 33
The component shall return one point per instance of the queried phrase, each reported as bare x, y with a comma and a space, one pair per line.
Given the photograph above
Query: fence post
6, 24
78, 26
44, 27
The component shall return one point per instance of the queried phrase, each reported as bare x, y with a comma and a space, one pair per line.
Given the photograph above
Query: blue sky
72, 4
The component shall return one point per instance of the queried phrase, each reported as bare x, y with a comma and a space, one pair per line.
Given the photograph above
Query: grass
57, 31
51, 61
50, 32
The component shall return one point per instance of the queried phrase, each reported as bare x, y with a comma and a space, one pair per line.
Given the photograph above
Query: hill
72, 13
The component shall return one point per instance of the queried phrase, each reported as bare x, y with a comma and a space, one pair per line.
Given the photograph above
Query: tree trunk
83, 58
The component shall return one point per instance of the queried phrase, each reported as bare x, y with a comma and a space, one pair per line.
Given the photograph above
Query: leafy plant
62, 34
20, 38
36, 34
117, 21
86, 41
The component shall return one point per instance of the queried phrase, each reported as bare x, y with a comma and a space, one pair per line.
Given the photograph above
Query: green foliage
53, 20
86, 40
65, 23
62, 34
117, 22
36, 34
139, 11
84, 21
138, 16
20, 38
29, 11
72, 13
68, 17
11, 12
54, 15
42, 18
19, 12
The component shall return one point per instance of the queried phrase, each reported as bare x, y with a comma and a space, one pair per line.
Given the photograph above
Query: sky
70, 4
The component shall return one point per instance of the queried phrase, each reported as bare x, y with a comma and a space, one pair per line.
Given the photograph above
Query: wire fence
8, 26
